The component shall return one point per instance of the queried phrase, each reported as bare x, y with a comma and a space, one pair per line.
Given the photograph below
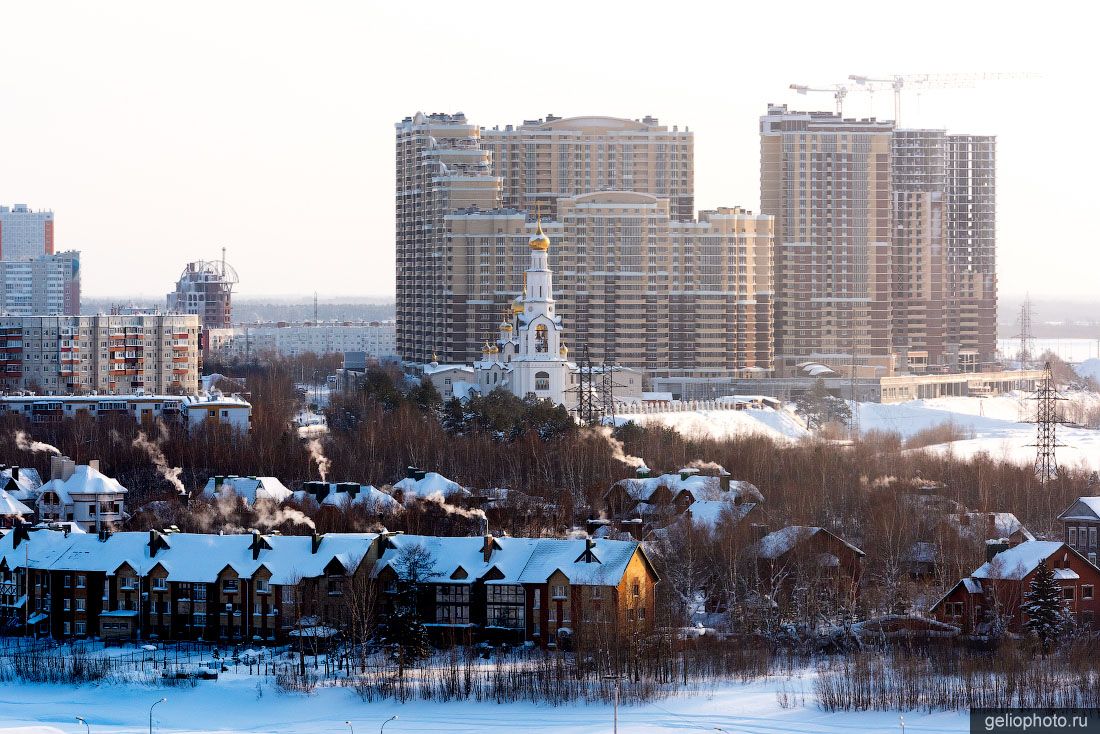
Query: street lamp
383, 729
87, 729
618, 681
151, 713
350, 727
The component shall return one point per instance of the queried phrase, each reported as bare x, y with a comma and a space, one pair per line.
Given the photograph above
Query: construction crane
897, 82
839, 92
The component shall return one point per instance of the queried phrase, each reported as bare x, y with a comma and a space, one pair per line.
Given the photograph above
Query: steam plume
170, 474
707, 466
437, 498
617, 451
317, 453
25, 443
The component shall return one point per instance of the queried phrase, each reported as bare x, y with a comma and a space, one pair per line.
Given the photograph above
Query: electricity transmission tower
1027, 339
1047, 418
595, 391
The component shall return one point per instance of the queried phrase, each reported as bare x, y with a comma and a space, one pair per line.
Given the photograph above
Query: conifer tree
1044, 609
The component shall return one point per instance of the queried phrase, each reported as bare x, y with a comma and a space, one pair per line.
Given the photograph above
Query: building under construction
205, 288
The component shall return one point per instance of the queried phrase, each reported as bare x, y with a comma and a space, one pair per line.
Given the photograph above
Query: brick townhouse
254, 587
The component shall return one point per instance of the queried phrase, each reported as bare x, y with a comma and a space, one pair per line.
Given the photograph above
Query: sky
159, 133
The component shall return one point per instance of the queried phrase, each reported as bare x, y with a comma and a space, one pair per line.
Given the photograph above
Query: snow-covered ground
780, 425
998, 426
238, 704
1071, 350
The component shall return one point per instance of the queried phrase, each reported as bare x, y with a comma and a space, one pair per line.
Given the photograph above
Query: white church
530, 357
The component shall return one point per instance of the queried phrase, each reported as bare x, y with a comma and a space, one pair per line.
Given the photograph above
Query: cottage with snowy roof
676, 493
993, 595
428, 485
1080, 523
82, 495
249, 489
20, 482
799, 555
345, 496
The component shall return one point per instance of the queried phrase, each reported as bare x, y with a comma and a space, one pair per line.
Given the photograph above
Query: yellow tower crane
839, 92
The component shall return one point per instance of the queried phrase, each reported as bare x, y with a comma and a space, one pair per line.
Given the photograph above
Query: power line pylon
1027, 339
586, 408
607, 391
1047, 418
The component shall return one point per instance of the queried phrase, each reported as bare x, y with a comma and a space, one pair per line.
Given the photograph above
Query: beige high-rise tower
826, 180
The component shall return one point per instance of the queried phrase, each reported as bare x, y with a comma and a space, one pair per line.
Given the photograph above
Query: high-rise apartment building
640, 281
541, 161
115, 354
880, 232
205, 288
25, 234
48, 285
826, 180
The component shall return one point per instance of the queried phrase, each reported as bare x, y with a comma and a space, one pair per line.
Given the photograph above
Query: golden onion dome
517, 308
564, 351
540, 241
435, 358
485, 348
505, 326
494, 349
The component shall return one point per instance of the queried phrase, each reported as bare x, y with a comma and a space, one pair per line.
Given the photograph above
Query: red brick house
995, 592
803, 555
1080, 525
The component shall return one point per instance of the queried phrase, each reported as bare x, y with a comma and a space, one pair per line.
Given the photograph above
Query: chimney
315, 543
56, 467
94, 464
688, 472
589, 547
257, 544
487, 547
724, 480
104, 534
644, 472
15, 473
993, 547
152, 543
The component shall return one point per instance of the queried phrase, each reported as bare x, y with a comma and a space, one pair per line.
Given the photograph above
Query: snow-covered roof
709, 513
777, 543
1084, 508
699, 486
517, 560
432, 484
250, 489
433, 368
367, 496
1017, 562
990, 525
85, 480
9, 506
23, 488
193, 557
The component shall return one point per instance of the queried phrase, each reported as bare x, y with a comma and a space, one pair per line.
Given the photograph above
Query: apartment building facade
48, 285
544, 160
885, 244
376, 339
25, 234
205, 289
110, 354
641, 282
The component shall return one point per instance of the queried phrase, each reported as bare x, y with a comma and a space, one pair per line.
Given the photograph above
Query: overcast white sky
159, 133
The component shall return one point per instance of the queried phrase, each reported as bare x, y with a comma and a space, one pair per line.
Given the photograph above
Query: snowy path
232, 705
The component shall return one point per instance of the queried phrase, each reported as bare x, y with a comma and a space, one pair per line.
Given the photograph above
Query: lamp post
618, 681
350, 727
155, 703
87, 729
383, 729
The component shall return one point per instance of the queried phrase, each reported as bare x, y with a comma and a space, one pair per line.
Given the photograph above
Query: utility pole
1047, 419
1027, 339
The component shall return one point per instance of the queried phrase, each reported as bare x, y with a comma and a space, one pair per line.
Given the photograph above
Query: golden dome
435, 358
505, 326
485, 348
564, 351
517, 308
540, 241
494, 349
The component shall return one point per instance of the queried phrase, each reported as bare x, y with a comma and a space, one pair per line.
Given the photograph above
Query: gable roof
1017, 562
1083, 508
989, 525
25, 488
433, 483
9, 506
780, 542
700, 487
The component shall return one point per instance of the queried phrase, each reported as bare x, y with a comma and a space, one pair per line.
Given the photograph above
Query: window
538, 599
81, 581
80, 605
68, 604
82, 628
127, 583
1086, 591
160, 584
597, 592
258, 609
152, 606
230, 586
200, 619
200, 592
1069, 593
67, 628
68, 581
1073, 537
287, 595
641, 613
542, 380
637, 590
452, 614
1092, 537
560, 593
263, 586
